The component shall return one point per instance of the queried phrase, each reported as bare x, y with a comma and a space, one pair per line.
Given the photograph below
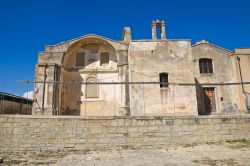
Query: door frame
215, 97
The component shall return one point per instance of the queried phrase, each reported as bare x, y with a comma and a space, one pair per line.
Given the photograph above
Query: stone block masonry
111, 133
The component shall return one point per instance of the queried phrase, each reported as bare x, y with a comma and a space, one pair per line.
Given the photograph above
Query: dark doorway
200, 98
205, 99
209, 100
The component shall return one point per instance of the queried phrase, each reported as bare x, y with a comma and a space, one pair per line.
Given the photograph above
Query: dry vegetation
230, 153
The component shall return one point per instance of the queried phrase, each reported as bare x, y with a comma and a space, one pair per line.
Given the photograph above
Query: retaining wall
102, 133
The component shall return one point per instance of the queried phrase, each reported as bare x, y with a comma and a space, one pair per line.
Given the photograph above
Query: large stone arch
73, 95
84, 41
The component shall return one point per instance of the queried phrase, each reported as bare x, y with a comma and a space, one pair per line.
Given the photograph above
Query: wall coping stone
235, 116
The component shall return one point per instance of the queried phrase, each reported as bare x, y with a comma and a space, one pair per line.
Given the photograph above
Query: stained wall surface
70, 97
226, 97
61, 77
147, 60
112, 133
242, 61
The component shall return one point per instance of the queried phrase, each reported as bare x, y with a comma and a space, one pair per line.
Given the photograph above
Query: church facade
96, 76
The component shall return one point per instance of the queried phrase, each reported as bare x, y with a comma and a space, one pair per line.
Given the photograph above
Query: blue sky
27, 25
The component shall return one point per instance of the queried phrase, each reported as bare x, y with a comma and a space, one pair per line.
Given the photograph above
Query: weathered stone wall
242, 61
226, 97
63, 99
44, 72
52, 133
74, 96
147, 60
140, 61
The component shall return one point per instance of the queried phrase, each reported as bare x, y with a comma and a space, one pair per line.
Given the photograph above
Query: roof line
213, 46
12, 95
88, 35
243, 48
150, 40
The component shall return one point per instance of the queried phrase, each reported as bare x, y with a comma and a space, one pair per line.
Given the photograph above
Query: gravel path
226, 154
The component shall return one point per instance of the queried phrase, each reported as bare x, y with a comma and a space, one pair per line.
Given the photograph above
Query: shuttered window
80, 59
104, 59
206, 66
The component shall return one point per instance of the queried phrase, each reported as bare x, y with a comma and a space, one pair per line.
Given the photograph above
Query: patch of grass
15, 161
214, 162
189, 145
243, 141
128, 147
239, 144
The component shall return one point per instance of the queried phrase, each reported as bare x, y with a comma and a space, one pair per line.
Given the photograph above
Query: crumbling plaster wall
227, 97
244, 60
54, 55
143, 61
108, 102
109, 98
43, 92
147, 59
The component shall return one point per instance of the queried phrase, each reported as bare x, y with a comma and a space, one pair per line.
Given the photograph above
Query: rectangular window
206, 66
104, 60
80, 59
92, 89
163, 80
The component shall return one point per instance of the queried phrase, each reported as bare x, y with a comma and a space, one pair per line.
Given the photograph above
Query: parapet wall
102, 133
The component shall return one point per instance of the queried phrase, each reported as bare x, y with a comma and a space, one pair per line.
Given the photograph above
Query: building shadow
203, 100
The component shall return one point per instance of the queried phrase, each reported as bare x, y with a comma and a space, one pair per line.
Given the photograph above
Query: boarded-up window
92, 58
163, 80
104, 58
92, 89
206, 66
80, 59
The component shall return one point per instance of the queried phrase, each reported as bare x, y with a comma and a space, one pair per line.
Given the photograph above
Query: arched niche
89, 53
83, 59
92, 90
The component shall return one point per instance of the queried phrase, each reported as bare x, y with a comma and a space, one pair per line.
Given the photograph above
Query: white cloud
28, 94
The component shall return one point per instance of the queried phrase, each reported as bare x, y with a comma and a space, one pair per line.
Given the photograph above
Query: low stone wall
102, 133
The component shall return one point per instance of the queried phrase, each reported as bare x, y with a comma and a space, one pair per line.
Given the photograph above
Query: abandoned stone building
97, 76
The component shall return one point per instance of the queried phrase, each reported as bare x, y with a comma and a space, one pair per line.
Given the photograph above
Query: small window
80, 59
92, 89
206, 66
163, 80
104, 60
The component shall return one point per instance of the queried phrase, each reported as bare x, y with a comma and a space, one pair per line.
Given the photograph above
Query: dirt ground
224, 154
